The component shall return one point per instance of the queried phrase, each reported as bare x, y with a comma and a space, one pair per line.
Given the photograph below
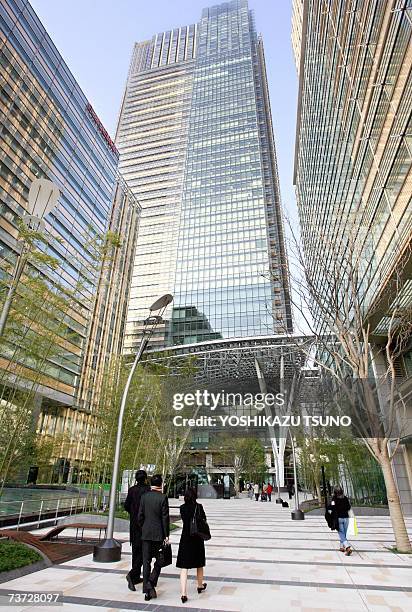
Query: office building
49, 129
353, 161
197, 149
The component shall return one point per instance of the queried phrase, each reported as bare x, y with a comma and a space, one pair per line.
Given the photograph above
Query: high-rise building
197, 148
297, 24
353, 159
49, 129
353, 142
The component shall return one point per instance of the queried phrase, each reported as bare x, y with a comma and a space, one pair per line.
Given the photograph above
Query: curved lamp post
43, 197
296, 514
110, 550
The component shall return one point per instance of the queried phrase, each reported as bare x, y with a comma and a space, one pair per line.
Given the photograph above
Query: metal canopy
231, 363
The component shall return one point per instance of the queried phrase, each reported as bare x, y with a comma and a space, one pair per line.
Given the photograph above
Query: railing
50, 508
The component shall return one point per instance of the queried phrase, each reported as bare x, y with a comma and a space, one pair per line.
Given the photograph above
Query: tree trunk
398, 522
317, 486
236, 476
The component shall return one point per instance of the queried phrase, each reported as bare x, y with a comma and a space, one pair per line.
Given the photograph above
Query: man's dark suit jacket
132, 505
154, 516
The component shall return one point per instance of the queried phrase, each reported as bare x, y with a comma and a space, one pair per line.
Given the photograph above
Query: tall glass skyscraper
197, 148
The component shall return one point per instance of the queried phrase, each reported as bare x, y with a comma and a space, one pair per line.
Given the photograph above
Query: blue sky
95, 37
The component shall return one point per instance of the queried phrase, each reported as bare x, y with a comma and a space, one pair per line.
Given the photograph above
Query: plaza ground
258, 560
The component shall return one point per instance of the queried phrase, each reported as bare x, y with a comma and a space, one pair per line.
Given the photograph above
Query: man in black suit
132, 505
154, 520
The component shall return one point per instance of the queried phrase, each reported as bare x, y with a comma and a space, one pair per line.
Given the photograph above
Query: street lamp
296, 514
109, 549
43, 197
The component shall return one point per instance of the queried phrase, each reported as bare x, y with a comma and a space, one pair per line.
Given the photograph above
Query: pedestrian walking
291, 490
191, 552
269, 491
340, 507
153, 518
132, 505
256, 491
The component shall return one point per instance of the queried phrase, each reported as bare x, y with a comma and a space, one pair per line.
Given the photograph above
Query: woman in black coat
340, 506
191, 548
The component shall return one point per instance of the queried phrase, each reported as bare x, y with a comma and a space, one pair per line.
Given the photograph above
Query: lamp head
43, 197
161, 302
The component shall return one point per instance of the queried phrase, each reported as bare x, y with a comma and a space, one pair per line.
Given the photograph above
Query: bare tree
332, 284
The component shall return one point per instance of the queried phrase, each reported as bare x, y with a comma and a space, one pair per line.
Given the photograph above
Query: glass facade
152, 140
353, 173
354, 144
216, 238
50, 130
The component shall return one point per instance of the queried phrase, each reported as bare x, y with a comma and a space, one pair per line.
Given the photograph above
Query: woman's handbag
164, 557
199, 527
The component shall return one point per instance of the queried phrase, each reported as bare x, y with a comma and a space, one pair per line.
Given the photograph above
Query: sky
96, 37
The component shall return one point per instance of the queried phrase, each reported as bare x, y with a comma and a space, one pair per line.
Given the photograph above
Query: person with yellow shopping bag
340, 506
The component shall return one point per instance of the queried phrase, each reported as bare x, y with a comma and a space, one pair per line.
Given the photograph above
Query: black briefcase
164, 557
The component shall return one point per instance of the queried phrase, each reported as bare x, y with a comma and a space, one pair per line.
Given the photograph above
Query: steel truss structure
231, 363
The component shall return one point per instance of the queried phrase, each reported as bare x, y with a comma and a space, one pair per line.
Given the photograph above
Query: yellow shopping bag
352, 527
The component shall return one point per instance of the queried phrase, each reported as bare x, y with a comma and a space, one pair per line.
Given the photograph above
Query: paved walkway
258, 560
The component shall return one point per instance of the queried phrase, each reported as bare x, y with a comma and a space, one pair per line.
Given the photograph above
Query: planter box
22, 571
357, 510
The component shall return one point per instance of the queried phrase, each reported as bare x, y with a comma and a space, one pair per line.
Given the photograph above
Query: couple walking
148, 508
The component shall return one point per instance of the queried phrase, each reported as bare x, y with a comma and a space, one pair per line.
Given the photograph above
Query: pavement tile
257, 557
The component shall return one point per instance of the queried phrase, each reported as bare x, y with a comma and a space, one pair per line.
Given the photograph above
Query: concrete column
278, 446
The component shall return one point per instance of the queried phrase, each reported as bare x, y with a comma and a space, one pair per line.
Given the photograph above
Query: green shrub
14, 555
121, 514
